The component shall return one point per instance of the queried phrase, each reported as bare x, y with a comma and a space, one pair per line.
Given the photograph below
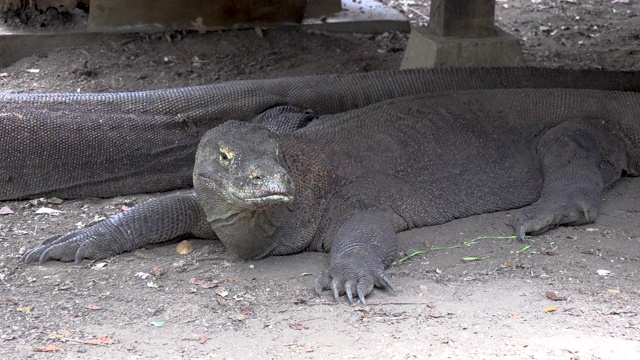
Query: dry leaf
204, 284
184, 247
55, 201
554, 296
203, 338
434, 313
25, 309
550, 309
191, 338
515, 316
614, 291
603, 272
157, 270
99, 266
298, 326
102, 340
64, 333
93, 307
5, 210
46, 210
246, 310
49, 348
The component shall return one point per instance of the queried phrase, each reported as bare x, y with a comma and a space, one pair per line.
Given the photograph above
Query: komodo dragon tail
103, 145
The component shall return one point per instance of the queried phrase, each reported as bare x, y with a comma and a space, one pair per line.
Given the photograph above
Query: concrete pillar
461, 33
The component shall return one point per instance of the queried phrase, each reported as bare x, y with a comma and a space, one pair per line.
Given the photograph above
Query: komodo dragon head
240, 177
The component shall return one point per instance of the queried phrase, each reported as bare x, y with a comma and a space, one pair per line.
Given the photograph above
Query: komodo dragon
347, 183
104, 145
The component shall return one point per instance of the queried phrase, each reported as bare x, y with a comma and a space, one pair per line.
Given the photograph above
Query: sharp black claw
319, 288
361, 297
44, 256
30, 256
322, 282
336, 292
347, 289
386, 281
80, 254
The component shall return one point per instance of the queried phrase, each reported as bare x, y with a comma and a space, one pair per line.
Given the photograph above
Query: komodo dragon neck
246, 233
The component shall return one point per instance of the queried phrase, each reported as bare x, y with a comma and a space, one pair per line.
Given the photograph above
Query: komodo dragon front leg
154, 221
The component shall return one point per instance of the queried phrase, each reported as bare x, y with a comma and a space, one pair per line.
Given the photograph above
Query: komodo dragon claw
362, 287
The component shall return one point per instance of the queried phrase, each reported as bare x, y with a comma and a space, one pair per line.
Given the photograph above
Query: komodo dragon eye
226, 155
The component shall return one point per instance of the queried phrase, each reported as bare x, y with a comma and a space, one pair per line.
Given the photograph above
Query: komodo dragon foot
564, 204
362, 248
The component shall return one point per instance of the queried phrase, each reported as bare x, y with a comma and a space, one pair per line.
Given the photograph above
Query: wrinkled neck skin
245, 233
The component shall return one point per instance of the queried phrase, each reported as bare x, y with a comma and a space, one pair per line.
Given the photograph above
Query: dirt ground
574, 294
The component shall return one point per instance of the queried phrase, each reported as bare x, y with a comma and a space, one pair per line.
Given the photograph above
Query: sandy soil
550, 301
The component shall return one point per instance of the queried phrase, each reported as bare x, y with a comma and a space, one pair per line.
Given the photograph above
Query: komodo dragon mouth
262, 198
270, 192
269, 199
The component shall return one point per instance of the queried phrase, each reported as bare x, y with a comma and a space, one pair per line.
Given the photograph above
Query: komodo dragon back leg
362, 248
154, 221
579, 158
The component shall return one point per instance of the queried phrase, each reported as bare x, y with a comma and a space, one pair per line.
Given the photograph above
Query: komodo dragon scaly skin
347, 183
104, 145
